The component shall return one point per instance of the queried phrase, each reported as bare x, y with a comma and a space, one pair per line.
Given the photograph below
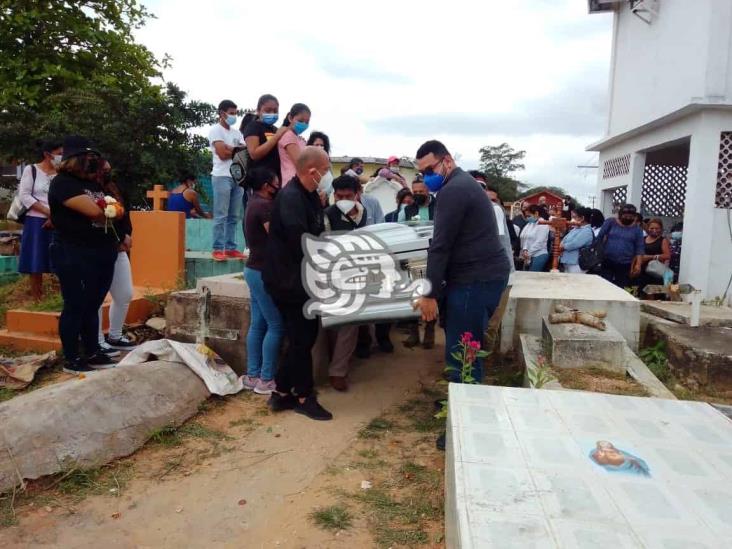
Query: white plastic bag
219, 378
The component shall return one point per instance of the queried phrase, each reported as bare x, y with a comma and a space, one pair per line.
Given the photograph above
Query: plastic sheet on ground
219, 378
18, 373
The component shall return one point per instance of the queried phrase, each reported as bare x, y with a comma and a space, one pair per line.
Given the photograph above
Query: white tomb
569, 469
533, 296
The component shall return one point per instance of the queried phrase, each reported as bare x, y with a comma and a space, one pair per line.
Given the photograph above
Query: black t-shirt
264, 132
71, 225
259, 211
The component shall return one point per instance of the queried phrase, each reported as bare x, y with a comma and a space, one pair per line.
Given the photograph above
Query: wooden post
158, 194
559, 224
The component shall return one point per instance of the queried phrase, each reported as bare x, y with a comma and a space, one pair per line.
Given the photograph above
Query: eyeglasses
429, 170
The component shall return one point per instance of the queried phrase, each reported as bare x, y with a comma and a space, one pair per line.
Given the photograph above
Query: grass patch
7, 394
243, 421
414, 473
50, 303
368, 454
656, 359
376, 428
333, 517
108, 479
170, 435
599, 381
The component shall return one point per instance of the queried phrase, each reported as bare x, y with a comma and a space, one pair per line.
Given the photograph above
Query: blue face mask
270, 117
230, 119
434, 181
300, 127
532, 220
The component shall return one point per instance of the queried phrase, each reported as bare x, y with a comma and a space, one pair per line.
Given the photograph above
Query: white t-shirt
231, 137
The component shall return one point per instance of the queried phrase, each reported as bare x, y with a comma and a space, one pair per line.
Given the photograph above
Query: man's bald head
311, 165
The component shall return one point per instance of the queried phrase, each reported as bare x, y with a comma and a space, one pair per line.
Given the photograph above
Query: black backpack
590, 257
240, 165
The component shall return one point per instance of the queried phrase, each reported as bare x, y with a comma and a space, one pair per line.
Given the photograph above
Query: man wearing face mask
346, 214
423, 205
227, 195
466, 263
624, 247
296, 211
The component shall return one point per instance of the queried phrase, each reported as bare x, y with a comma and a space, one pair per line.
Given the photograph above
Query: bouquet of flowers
112, 210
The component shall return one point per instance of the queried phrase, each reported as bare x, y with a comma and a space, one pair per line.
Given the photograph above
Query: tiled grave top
528, 285
525, 470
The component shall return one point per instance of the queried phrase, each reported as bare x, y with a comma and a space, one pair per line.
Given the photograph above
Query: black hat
75, 145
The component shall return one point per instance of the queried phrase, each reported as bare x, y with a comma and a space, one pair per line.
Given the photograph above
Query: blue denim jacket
573, 241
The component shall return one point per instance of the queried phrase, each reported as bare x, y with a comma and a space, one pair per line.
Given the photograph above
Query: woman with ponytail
291, 144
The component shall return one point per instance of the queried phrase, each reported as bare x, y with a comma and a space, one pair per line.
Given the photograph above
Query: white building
668, 143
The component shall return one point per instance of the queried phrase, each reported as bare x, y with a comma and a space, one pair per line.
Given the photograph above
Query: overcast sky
381, 77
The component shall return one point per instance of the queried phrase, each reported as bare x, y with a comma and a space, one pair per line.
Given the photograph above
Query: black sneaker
76, 367
100, 361
280, 403
440, 442
122, 343
312, 409
107, 350
386, 346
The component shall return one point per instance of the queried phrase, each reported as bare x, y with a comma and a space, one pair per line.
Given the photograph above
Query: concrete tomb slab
579, 346
533, 296
543, 468
86, 422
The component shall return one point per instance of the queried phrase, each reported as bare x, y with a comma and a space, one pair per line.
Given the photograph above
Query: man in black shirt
297, 210
466, 262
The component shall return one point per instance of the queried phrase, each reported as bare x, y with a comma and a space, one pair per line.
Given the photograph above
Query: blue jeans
538, 263
265, 329
468, 308
227, 206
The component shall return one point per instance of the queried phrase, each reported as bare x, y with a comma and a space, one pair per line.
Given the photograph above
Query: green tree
499, 163
74, 67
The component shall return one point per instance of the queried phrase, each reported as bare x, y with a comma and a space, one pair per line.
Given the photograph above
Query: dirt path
256, 493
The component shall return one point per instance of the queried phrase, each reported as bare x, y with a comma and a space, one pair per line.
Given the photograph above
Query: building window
664, 190
723, 198
614, 167
620, 197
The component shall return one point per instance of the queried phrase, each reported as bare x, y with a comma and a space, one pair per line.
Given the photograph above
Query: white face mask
345, 206
56, 161
326, 182
394, 169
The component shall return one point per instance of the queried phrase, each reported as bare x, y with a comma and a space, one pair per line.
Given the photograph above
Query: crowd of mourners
77, 226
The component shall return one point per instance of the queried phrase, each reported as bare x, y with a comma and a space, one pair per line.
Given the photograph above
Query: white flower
110, 212
110, 200
416, 217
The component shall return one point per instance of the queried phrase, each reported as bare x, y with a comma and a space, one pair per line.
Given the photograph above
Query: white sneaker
250, 382
265, 387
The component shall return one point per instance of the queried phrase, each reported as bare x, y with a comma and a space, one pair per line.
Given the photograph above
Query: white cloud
381, 77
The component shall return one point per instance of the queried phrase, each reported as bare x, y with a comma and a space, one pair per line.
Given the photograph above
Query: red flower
466, 337
101, 203
475, 345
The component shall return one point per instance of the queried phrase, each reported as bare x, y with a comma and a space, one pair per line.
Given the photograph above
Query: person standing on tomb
265, 325
391, 171
262, 137
624, 247
579, 237
319, 139
466, 263
227, 195
534, 242
291, 143
184, 198
83, 253
404, 197
297, 210
37, 228
121, 287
